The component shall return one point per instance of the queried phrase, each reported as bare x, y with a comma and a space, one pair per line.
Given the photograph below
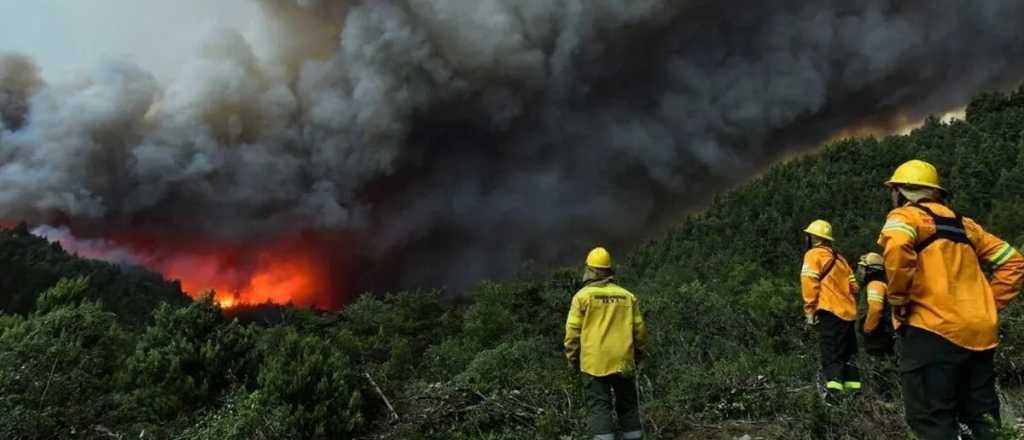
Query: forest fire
303, 270
284, 272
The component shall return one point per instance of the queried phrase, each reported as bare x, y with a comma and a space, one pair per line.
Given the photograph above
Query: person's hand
574, 364
811, 320
901, 313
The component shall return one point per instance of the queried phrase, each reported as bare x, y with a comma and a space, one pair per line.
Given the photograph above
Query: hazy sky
64, 36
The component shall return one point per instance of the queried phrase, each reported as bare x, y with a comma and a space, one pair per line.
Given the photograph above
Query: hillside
30, 264
730, 354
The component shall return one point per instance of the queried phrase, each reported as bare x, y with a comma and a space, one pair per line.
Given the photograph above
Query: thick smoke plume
456, 139
19, 80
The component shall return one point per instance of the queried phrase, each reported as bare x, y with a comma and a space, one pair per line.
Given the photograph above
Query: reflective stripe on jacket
836, 292
603, 329
877, 293
943, 283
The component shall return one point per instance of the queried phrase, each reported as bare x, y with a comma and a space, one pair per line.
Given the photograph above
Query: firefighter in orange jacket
949, 308
878, 324
604, 334
830, 303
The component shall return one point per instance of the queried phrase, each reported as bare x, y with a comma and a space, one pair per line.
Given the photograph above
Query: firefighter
950, 309
604, 338
878, 326
830, 304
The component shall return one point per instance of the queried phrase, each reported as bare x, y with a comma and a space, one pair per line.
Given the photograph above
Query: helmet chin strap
896, 198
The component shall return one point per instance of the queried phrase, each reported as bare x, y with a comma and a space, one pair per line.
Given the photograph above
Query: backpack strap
946, 228
830, 265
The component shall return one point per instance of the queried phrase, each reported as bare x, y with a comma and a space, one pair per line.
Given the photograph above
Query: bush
57, 368
315, 385
244, 416
186, 360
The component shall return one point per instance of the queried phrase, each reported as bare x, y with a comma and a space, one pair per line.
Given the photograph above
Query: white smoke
461, 138
99, 249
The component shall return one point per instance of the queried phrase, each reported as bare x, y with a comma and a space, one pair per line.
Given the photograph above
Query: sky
66, 36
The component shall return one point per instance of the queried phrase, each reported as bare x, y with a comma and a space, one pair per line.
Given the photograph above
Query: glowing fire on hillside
281, 273
303, 270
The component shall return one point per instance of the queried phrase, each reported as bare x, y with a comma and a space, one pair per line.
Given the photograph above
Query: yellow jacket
837, 292
603, 329
942, 281
877, 291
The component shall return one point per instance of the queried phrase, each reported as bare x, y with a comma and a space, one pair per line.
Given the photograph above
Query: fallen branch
394, 414
110, 434
49, 379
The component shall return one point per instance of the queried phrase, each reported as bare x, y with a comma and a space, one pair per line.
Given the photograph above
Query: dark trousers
945, 385
838, 348
599, 403
881, 342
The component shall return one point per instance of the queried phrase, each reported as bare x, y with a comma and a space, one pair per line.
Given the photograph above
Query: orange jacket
876, 293
836, 292
943, 283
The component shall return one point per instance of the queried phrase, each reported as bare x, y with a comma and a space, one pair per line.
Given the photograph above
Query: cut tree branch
394, 414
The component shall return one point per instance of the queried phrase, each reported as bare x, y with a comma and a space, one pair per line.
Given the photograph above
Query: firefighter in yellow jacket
604, 335
830, 303
950, 309
878, 327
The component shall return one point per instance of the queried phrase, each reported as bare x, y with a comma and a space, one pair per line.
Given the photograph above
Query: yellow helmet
871, 259
599, 258
916, 172
820, 229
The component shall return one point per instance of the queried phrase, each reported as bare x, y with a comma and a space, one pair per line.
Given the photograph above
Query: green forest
90, 350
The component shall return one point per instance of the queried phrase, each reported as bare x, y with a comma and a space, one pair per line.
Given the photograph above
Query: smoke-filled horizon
456, 140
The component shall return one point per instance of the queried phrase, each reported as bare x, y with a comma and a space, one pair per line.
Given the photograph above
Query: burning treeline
454, 140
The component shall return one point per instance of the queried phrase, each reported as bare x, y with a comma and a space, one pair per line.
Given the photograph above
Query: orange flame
302, 270
307, 269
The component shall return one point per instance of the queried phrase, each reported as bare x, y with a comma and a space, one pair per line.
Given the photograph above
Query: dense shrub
186, 359
243, 416
314, 383
57, 367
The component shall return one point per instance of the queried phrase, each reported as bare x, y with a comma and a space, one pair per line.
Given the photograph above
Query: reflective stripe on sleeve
1003, 255
875, 296
806, 271
898, 226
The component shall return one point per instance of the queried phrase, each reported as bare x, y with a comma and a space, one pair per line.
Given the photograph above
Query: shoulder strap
946, 228
830, 265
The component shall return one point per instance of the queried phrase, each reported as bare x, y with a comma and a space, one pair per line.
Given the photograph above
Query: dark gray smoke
457, 139
19, 80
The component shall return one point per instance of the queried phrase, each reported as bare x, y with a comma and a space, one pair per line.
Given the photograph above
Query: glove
901, 313
811, 320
